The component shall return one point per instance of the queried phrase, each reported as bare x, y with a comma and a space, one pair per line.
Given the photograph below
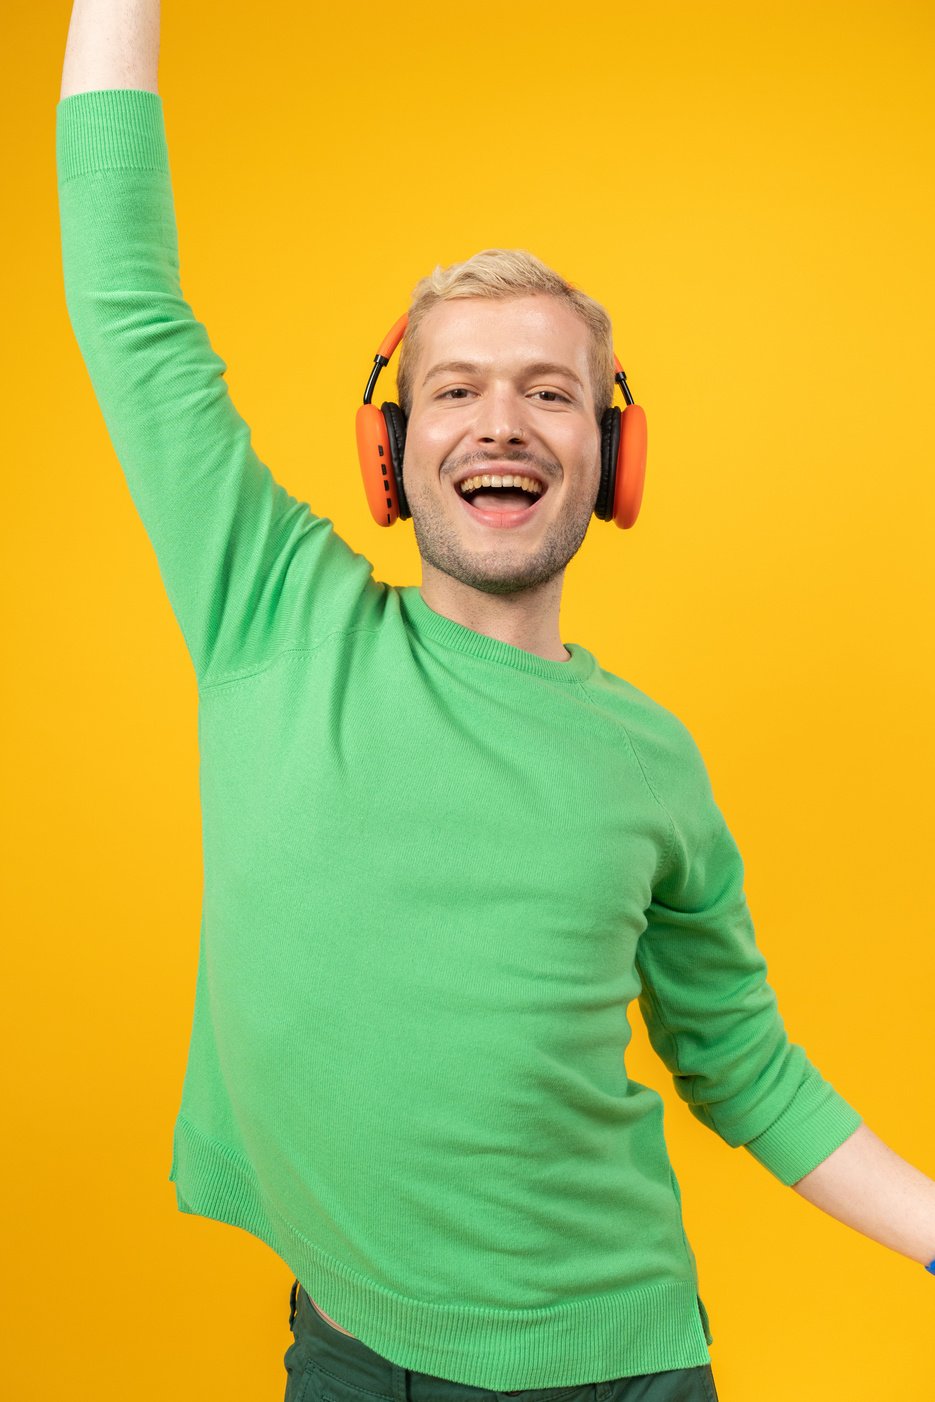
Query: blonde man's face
483, 401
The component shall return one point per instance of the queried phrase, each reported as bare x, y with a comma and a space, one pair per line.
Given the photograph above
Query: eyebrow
468, 367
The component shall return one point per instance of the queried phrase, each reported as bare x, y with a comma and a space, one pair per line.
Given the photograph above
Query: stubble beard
502, 569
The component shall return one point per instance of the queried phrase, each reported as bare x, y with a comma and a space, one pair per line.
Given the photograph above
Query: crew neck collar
424, 620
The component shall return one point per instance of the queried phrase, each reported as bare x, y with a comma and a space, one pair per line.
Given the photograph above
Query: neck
527, 618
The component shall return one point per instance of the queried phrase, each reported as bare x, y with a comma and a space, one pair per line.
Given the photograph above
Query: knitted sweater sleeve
710, 1012
249, 570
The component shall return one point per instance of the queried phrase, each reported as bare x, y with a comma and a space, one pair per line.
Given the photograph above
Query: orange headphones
381, 442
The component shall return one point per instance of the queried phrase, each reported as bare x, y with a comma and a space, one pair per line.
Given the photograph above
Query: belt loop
401, 1384
293, 1293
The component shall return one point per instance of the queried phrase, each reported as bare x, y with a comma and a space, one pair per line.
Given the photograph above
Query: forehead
503, 333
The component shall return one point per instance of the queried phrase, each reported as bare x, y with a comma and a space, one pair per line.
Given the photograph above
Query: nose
500, 417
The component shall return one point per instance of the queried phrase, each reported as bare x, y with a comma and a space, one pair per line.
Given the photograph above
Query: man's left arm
867, 1186
713, 1018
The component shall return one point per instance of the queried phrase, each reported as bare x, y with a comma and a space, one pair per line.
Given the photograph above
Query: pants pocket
299, 1384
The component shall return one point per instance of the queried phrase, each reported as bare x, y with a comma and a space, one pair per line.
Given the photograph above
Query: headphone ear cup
395, 421
375, 453
631, 466
610, 437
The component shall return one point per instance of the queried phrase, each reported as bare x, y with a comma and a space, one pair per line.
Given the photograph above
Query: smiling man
446, 853
502, 388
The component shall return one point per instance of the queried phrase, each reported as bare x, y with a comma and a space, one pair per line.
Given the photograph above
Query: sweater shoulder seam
667, 850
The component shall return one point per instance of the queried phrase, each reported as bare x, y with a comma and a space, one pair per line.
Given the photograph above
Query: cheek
429, 439
584, 451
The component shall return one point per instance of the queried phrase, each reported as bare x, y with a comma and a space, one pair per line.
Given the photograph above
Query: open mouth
498, 505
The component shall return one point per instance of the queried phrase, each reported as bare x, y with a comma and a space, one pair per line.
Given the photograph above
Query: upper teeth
471, 484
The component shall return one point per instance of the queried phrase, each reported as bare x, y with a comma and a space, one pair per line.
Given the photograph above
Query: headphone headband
387, 346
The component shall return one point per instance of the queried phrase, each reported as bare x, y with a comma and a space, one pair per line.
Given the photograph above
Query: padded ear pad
610, 439
396, 432
623, 465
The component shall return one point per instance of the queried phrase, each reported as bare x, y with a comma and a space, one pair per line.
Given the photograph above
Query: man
444, 849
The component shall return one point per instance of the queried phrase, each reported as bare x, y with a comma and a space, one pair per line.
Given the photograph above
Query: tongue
500, 499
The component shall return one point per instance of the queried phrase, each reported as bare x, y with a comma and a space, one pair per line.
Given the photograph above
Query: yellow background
748, 190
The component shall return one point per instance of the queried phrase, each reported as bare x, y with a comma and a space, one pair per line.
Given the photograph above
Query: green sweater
438, 871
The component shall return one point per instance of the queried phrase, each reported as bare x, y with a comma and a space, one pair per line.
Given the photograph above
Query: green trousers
324, 1365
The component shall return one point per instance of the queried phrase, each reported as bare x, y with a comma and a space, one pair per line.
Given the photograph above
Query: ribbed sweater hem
648, 1329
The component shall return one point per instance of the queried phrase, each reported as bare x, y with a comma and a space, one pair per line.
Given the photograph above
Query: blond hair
507, 272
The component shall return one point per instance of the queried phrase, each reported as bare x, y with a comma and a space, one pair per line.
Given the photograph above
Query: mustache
470, 459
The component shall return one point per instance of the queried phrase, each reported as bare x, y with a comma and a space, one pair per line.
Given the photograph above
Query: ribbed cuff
812, 1126
110, 129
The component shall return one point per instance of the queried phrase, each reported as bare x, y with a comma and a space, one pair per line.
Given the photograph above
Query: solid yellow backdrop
749, 192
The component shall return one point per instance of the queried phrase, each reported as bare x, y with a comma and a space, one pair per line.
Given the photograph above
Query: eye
554, 394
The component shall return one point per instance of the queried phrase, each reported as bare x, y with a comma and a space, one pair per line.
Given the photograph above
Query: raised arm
112, 44
251, 573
